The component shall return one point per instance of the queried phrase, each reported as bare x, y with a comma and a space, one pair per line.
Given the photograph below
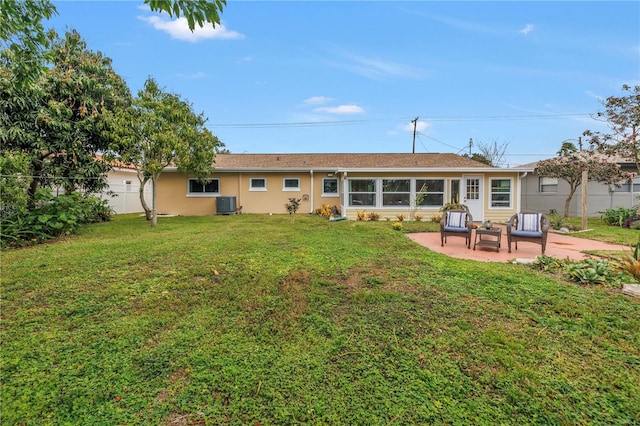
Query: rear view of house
388, 184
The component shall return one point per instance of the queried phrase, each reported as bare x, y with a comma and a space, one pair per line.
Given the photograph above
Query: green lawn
252, 320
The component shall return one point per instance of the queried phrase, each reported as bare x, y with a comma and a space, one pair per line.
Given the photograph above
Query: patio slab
561, 246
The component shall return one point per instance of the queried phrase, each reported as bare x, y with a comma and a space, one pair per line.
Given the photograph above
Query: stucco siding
599, 197
389, 184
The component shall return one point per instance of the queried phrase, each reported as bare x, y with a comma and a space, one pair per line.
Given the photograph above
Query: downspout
518, 201
311, 194
344, 194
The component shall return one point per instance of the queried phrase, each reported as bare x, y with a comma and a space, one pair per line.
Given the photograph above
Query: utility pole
415, 124
470, 145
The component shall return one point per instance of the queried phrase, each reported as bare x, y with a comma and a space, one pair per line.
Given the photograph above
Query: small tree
493, 152
162, 130
417, 201
570, 164
622, 113
292, 207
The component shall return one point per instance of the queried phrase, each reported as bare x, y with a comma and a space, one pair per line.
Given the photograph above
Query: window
548, 184
205, 188
258, 184
291, 184
430, 192
330, 187
501, 193
396, 192
626, 187
454, 191
362, 192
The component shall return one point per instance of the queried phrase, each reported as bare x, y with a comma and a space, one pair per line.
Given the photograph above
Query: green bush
53, 216
617, 217
592, 271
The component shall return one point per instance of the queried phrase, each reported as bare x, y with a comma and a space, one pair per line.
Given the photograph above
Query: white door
472, 196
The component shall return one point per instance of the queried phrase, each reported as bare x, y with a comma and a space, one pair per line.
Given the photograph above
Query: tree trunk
154, 217
36, 171
147, 210
568, 200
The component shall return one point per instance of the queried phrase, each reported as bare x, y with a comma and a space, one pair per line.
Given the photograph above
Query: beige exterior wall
173, 197
501, 214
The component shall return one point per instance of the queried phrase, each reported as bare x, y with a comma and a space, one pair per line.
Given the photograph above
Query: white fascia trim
434, 170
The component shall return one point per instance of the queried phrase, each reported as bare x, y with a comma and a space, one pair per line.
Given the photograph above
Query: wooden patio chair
456, 223
529, 227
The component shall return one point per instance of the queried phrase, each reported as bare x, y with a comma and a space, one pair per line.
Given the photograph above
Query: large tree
622, 114
161, 130
570, 164
24, 42
61, 120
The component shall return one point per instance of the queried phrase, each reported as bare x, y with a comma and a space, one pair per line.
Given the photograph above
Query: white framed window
430, 192
362, 192
329, 187
396, 192
291, 184
258, 184
547, 184
501, 193
207, 188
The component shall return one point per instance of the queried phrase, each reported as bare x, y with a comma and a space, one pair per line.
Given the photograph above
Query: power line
427, 118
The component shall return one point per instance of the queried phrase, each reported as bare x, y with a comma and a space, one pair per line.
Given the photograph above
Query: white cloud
341, 109
420, 126
374, 68
195, 76
527, 29
317, 100
179, 29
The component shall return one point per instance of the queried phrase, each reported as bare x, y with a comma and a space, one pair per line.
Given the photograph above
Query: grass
251, 319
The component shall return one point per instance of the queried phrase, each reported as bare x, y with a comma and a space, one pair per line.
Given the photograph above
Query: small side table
495, 235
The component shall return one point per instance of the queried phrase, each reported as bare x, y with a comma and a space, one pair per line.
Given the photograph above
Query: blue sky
335, 76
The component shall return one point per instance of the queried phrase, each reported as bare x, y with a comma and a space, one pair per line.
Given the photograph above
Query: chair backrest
528, 222
456, 219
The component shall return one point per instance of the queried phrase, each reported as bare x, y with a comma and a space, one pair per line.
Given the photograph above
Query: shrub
454, 206
52, 217
373, 216
361, 215
617, 217
436, 218
630, 263
397, 226
548, 263
418, 218
400, 217
591, 271
556, 221
327, 211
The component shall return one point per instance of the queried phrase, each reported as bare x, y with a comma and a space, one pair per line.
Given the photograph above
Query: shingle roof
344, 161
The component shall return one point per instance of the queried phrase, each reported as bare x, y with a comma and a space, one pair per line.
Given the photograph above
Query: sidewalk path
558, 245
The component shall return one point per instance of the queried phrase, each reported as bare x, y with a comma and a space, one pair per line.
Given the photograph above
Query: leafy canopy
161, 130
623, 116
62, 120
570, 164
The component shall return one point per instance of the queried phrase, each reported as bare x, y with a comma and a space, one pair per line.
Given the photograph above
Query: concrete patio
558, 245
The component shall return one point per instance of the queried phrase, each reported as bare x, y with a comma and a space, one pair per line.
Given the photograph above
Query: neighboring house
123, 190
543, 194
387, 184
